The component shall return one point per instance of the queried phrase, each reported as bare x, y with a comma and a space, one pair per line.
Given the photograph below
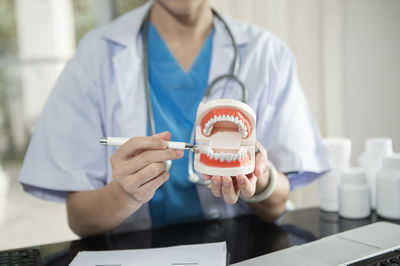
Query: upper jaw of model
225, 137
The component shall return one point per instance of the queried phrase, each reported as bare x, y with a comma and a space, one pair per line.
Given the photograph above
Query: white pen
114, 141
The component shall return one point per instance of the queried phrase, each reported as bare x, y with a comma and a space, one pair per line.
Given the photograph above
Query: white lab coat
101, 93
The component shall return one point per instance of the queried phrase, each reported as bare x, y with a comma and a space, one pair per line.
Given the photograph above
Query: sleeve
286, 126
64, 153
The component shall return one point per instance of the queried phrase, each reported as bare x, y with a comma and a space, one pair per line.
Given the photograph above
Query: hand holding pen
139, 164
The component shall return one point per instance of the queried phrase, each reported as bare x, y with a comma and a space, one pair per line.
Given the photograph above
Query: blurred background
348, 63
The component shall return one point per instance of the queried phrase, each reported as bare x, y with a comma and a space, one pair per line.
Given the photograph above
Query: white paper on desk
213, 254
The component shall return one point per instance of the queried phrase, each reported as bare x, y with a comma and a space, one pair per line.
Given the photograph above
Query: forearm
100, 210
275, 205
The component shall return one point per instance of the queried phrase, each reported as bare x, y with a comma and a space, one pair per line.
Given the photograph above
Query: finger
261, 161
146, 192
228, 190
166, 136
215, 187
134, 181
207, 177
247, 185
163, 135
136, 144
140, 161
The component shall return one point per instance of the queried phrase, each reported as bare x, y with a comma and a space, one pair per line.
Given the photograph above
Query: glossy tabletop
246, 237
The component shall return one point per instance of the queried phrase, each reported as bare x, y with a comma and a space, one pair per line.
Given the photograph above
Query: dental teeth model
225, 134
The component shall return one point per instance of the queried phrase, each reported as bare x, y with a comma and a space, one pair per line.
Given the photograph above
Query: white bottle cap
391, 162
339, 150
378, 146
354, 176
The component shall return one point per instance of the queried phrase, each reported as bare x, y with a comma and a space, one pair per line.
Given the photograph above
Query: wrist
123, 198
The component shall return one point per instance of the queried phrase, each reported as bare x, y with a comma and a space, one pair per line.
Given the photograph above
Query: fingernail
215, 182
164, 144
226, 183
241, 180
179, 152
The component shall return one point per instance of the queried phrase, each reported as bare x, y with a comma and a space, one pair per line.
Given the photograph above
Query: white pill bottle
354, 194
371, 161
388, 188
339, 153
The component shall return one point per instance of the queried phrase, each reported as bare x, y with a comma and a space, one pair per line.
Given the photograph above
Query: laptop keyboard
391, 258
26, 257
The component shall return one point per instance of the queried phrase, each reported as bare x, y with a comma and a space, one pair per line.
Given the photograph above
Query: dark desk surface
246, 237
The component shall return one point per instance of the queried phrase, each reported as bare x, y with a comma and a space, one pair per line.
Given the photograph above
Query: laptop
366, 245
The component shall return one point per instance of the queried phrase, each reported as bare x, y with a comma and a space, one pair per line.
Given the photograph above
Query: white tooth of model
234, 157
229, 157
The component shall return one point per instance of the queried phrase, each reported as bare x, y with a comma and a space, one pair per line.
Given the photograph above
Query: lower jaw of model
225, 135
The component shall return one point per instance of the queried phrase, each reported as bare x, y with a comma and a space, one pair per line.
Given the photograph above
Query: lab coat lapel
127, 64
221, 62
130, 84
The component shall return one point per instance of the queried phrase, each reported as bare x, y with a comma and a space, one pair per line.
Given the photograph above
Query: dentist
101, 93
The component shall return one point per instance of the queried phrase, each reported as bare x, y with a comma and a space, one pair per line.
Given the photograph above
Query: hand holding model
247, 185
226, 137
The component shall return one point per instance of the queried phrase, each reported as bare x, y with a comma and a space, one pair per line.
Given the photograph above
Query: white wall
372, 71
348, 60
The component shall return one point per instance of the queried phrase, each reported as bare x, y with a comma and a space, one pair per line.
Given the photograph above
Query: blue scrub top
175, 96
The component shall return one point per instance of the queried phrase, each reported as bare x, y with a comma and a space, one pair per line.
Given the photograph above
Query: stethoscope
233, 75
